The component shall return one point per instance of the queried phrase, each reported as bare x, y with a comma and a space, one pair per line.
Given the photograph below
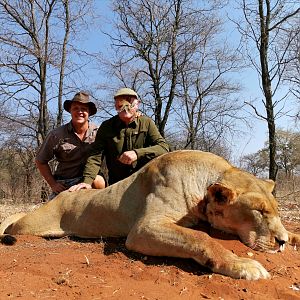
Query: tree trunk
63, 63
267, 85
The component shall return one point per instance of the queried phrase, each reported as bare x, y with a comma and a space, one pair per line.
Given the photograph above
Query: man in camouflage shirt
127, 141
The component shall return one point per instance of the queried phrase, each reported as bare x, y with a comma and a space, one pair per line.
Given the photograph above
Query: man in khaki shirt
127, 141
69, 145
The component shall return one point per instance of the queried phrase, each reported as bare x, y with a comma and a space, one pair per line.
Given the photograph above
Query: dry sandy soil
35, 268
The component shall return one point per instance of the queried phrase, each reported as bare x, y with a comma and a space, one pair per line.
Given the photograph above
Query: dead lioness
157, 206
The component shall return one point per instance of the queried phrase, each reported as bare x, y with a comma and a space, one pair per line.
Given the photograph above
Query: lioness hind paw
8, 240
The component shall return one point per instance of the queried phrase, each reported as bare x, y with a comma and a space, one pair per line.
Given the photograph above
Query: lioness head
244, 205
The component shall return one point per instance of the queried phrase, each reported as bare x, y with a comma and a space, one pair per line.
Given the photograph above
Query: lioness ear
221, 193
269, 184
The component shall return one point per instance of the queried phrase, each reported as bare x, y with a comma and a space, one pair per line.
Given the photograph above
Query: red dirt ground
35, 268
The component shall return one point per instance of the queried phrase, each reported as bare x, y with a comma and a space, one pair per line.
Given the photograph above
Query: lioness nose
280, 242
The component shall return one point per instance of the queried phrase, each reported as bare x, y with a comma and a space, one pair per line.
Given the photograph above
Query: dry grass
8, 208
287, 194
289, 206
288, 197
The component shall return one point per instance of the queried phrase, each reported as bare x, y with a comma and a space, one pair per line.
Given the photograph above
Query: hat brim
125, 92
92, 106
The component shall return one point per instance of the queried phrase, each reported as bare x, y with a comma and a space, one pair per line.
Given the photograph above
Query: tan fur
157, 206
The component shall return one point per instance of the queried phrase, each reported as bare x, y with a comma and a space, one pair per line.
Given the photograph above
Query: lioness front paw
294, 240
245, 268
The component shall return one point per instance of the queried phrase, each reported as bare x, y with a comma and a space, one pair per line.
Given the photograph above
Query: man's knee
99, 182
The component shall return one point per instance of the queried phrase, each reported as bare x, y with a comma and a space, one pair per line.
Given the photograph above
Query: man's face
126, 106
79, 112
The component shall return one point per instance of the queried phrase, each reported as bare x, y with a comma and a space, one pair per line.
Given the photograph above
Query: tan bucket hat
125, 92
81, 97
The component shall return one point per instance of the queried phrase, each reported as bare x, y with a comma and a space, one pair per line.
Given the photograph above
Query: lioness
157, 206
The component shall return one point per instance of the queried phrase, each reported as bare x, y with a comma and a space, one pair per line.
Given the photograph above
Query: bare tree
171, 51
35, 52
206, 109
145, 39
256, 163
155, 43
265, 24
17, 154
292, 76
39, 61
66, 21
287, 154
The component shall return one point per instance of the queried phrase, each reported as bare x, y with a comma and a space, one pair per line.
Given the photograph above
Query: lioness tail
7, 239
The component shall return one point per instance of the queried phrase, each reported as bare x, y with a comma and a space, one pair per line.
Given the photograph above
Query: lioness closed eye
157, 206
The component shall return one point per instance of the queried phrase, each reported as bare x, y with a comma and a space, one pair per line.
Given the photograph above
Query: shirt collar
119, 123
90, 130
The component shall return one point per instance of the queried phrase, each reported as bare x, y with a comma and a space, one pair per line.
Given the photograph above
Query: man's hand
128, 157
79, 186
57, 187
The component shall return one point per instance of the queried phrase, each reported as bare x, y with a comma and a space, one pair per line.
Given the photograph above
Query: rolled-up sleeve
94, 161
46, 151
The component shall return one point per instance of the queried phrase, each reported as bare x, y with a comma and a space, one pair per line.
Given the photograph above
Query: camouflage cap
125, 92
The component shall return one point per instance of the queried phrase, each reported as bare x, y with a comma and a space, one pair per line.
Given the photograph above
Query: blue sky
255, 137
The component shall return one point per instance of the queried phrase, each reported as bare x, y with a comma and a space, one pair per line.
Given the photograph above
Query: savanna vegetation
183, 57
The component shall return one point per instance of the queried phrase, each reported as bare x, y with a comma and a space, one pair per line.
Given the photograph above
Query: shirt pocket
139, 139
65, 150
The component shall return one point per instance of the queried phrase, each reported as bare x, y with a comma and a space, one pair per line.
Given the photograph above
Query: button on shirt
114, 137
70, 152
